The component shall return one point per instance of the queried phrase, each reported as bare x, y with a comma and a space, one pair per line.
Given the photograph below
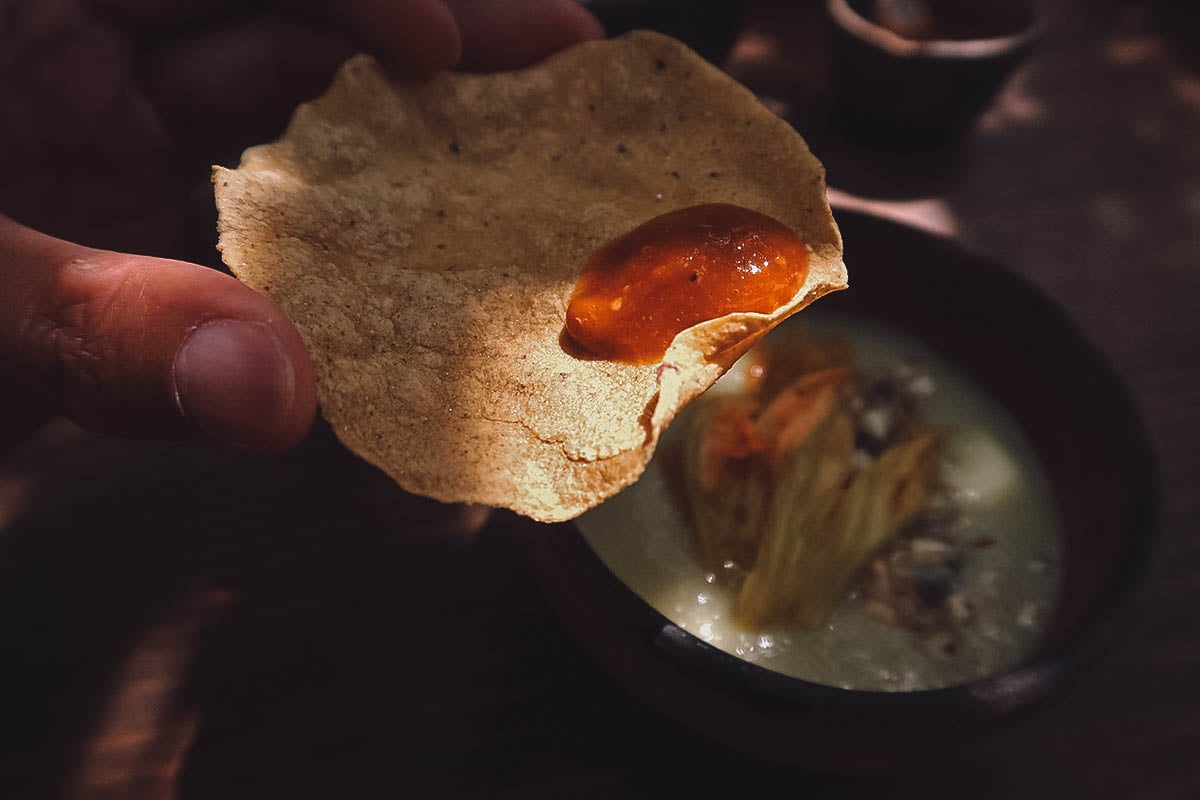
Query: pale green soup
1010, 569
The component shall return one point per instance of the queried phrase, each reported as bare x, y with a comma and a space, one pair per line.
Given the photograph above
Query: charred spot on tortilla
436, 319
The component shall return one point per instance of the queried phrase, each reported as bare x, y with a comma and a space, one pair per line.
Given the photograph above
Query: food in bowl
844, 507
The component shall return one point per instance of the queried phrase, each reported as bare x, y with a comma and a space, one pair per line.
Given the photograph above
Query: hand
114, 111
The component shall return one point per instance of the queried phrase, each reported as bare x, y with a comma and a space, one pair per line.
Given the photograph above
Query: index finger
421, 35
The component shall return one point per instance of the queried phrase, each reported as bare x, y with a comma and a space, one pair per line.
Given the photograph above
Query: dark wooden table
181, 622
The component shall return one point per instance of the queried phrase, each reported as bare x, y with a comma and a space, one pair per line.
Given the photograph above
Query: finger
418, 35
239, 84
156, 11
148, 347
506, 34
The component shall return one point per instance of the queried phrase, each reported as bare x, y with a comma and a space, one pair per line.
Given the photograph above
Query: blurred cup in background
917, 73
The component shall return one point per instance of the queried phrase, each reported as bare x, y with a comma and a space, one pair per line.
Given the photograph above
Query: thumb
147, 347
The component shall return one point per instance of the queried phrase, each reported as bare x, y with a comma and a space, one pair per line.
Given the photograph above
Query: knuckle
72, 333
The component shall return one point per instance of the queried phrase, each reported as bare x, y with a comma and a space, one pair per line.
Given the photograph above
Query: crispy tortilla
425, 237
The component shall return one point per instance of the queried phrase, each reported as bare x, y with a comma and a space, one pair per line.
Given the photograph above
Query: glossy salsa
679, 269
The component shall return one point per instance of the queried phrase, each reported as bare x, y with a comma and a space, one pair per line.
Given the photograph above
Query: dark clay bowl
1019, 346
924, 92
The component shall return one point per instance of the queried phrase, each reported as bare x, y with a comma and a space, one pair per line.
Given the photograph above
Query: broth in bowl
957, 585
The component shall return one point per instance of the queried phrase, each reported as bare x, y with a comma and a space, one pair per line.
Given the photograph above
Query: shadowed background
180, 622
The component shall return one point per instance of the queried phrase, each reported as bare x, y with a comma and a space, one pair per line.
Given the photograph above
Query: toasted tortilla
425, 236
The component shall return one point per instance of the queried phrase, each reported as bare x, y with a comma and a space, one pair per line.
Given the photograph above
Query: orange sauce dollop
679, 269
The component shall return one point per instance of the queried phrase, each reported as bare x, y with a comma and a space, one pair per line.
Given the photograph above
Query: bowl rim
858, 26
1028, 681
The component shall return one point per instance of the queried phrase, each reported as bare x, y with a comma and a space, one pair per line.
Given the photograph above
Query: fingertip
579, 23
508, 35
420, 35
245, 383
150, 347
448, 51
303, 410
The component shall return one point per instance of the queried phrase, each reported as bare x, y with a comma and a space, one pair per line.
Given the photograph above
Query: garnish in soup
800, 479
847, 508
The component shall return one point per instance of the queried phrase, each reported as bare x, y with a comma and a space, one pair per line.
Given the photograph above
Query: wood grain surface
180, 622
